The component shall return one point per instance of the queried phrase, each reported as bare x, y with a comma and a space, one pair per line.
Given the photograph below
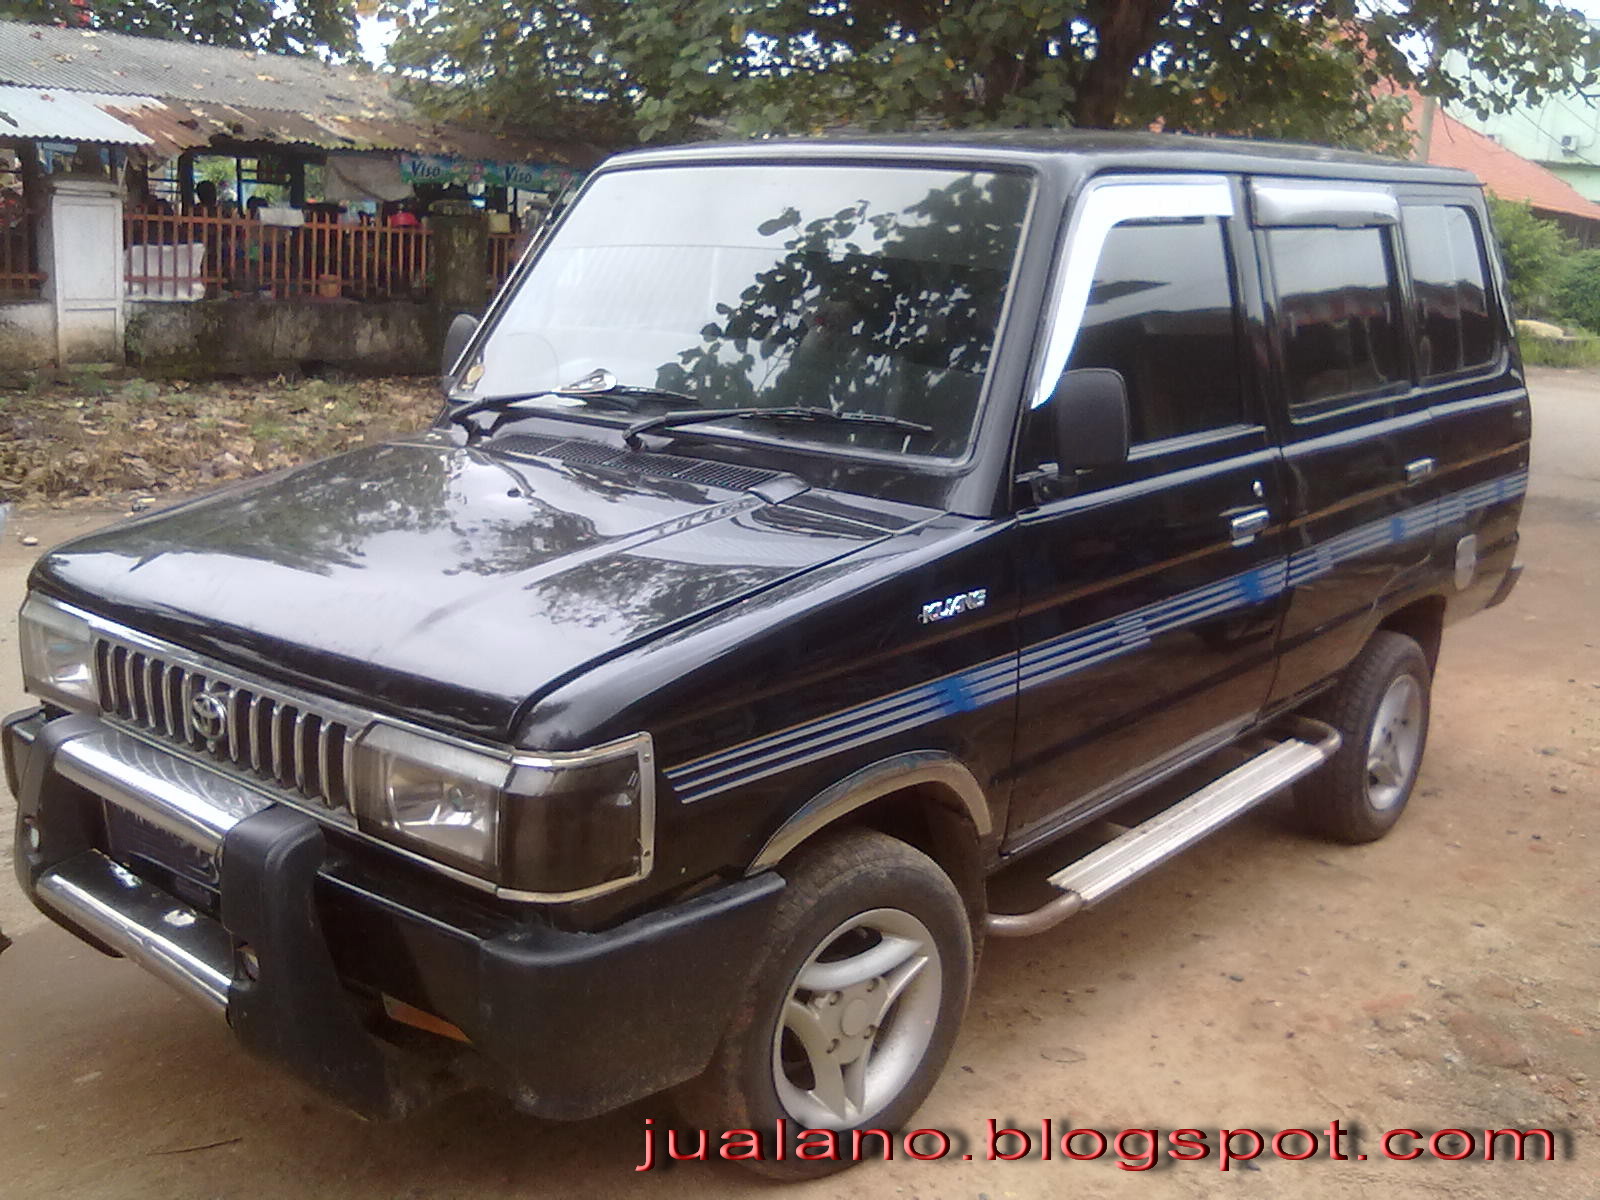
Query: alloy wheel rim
1395, 743
858, 1019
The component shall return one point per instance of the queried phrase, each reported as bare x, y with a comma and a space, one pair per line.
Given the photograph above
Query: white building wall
81, 254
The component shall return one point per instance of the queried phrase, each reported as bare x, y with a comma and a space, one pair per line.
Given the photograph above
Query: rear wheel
1381, 709
850, 1014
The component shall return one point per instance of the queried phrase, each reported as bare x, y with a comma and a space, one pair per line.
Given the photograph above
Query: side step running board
1146, 846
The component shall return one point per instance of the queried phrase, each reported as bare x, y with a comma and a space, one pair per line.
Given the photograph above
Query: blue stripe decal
1005, 677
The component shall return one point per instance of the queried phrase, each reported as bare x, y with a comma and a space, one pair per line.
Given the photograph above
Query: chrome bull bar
189, 801
189, 950
169, 939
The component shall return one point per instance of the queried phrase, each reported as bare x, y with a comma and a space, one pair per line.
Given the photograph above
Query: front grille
273, 738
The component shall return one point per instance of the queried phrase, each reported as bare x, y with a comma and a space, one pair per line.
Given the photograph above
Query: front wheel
1381, 709
851, 1011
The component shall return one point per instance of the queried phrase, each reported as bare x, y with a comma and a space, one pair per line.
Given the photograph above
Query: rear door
1478, 405
1151, 590
1358, 439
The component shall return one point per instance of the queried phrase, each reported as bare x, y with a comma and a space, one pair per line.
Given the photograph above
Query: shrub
1533, 250
1577, 291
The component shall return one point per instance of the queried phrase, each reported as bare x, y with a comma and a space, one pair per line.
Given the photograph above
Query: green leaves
1533, 251
1577, 289
291, 27
618, 72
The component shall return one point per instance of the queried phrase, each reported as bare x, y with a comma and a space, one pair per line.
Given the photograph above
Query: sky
375, 36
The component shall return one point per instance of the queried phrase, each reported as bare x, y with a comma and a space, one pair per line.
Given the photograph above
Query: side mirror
1090, 418
455, 342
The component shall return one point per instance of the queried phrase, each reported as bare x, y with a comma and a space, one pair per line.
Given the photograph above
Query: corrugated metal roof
174, 127
30, 112
181, 96
120, 64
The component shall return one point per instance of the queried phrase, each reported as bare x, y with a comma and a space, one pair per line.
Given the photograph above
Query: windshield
852, 288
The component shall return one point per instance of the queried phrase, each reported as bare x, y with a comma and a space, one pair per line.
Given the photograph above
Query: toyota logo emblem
208, 716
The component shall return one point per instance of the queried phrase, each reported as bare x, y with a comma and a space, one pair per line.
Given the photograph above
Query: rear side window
1445, 253
1339, 311
1161, 312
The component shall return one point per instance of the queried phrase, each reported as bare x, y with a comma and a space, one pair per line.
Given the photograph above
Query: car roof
1082, 152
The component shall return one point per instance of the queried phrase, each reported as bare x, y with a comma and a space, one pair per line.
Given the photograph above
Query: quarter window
1339, 312
1445, 253
1161, 312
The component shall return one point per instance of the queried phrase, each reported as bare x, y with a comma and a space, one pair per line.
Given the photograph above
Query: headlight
548, 826
440, 799
57, 653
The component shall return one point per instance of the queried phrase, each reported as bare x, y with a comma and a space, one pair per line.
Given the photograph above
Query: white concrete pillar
81, 253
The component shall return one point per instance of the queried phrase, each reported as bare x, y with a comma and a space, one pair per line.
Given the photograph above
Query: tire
1381, 708
864, 916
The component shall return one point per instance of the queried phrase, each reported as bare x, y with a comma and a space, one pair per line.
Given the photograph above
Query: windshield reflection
866, 289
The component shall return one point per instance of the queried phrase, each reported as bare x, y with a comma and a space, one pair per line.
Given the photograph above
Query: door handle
1245, 526
1419, 470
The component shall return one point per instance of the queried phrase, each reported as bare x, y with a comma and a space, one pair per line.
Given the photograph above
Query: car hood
447, 584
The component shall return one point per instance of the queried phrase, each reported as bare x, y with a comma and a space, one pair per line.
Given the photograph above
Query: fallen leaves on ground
92, 436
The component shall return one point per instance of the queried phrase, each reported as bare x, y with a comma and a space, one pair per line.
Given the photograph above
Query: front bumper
303, 940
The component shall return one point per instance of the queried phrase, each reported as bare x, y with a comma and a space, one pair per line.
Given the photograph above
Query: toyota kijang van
809, 531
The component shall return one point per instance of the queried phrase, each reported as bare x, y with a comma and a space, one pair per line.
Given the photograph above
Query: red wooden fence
19, 274
193, 257
502, 257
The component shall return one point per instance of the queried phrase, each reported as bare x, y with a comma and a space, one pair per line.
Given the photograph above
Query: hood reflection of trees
328, 516
627, 594
885, 312
315, 518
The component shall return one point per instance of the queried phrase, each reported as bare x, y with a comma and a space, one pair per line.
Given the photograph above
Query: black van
811, 530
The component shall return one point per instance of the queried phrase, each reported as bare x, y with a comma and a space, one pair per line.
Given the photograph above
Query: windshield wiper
634, 434
598, 386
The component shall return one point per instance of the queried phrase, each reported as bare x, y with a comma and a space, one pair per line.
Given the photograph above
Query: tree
1577, 289
538, 65
1533, 251
286, 27
660, 69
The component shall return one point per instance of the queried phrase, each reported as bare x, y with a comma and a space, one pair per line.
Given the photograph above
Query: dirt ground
80, 435
1443, 978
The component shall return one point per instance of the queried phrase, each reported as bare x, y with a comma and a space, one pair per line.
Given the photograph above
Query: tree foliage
279, 26
661, 69
1533, 251
1577, 289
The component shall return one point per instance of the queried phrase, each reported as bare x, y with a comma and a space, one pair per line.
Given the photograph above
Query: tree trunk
1126, 30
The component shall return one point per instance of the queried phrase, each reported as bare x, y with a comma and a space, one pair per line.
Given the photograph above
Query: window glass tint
1447, 269
1337, 308
873, 289
1161, 312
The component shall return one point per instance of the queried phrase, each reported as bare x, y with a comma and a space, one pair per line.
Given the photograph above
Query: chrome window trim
1201, 438
1104, 204
1301, 203
358, 721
